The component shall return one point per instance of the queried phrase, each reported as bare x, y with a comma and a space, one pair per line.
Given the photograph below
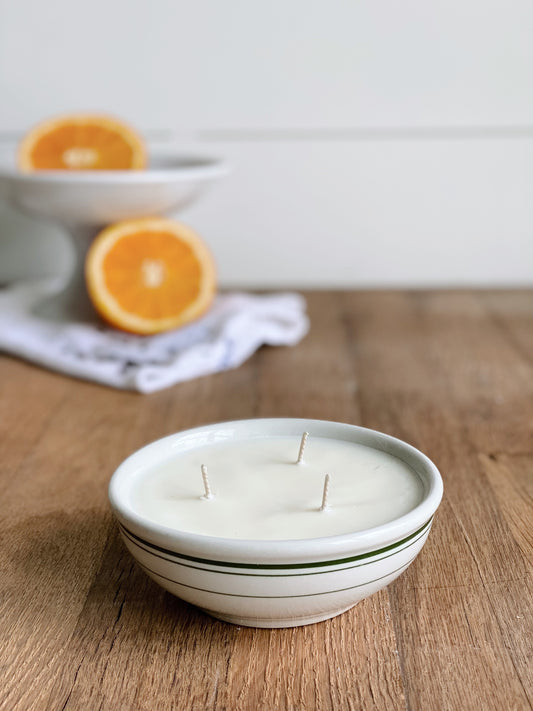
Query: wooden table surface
82, 627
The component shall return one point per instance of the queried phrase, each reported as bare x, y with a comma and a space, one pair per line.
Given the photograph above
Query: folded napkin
236, 325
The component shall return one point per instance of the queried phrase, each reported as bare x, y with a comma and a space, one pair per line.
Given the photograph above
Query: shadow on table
72, 571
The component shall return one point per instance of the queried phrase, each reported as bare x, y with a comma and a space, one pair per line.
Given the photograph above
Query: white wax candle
260, 492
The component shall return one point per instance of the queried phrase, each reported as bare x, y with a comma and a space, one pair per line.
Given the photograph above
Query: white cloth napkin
236, 325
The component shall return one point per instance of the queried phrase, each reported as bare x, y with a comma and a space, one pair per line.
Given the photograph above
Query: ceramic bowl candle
261, 526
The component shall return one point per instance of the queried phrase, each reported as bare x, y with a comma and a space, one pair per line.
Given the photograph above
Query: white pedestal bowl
84, 202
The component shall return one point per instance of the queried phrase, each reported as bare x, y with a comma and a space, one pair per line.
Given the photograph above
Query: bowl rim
180, 166
280, 550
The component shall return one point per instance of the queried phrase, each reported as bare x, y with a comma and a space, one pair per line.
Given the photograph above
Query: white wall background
373, 143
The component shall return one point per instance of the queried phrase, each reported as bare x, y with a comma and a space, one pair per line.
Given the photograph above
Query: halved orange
82, 142
149, 275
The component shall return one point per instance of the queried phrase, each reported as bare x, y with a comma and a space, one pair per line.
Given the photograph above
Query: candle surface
260, 492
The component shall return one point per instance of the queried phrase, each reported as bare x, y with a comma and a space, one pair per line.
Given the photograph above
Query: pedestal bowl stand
84, 202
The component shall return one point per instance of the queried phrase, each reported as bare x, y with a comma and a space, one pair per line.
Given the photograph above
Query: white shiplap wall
373, 143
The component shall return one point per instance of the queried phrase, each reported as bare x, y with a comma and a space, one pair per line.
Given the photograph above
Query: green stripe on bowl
276, 566
174, 561
279, 597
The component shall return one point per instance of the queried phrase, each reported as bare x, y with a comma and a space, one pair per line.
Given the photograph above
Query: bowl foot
72, 303
277, 622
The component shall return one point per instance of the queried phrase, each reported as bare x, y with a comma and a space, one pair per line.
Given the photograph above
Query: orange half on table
82, 142
149, 275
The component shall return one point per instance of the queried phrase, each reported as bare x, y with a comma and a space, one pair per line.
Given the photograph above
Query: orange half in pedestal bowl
82, 142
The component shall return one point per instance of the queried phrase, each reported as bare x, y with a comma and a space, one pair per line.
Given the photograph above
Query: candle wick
208, 493
325, 506
302, 447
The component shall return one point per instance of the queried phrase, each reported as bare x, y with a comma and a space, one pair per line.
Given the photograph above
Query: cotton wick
302, 447
325, 506
208, 493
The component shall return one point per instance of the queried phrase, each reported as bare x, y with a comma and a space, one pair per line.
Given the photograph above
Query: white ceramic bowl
274, 583
99, 197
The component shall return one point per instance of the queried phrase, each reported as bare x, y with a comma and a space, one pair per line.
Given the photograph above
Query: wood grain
451, 372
